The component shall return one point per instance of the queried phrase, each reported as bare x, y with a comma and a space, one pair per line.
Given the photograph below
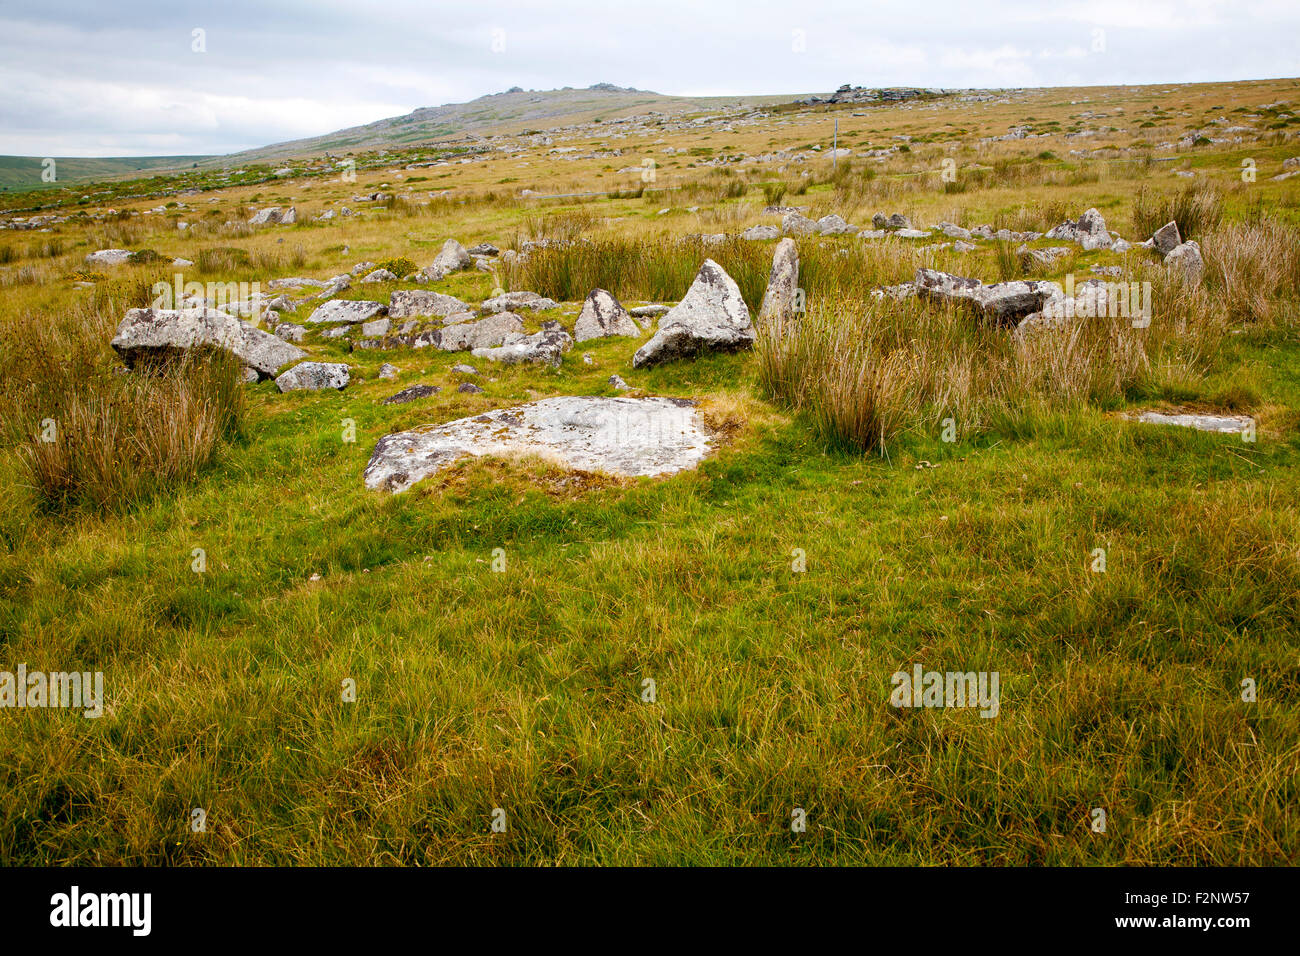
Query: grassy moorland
523, 690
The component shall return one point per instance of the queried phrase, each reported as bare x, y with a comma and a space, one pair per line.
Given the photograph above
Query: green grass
521, 690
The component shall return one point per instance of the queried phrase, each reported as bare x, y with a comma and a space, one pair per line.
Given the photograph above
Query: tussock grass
87, 434
1197, 209
1257, 266
865, 370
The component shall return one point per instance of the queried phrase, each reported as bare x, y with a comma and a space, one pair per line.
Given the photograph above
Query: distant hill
22, 173
509, 112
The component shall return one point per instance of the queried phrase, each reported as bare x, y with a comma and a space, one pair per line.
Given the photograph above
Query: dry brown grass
87, 433
1257, 266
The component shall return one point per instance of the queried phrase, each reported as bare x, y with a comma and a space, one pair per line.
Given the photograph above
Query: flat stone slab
1202, 423
629, 437
346, 310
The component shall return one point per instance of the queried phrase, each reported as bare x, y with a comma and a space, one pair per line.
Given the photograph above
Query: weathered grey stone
905, 290
513, 301
290, 332
1204, 423
781, 300
469, 388
1004, 302
648, 311
1187, 257
1166, 239
603, 315
452, 257
484, 249
833, 225
334, 287
546, 346
797, 224
146, 334
895, 221
387, 371
712, 316
761, 232
953, 231
1044, 257
376, 327
345, 310
380, 275
295, 282
482, 334
411, 393
109, 257
313, 376
621, 436
618, 383
462, 369
407, 303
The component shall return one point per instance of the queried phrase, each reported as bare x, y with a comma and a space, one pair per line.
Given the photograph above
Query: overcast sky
126, 78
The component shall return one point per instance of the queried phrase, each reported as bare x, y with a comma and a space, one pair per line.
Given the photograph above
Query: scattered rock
345, 310
895, 221
411, 393
463, 369
314, 376
1089, 231
622, 436
781, 301
469, 388
833, 225
603, 315
1203, 423
1167, 238
547, 346
484, 249
796, 224
648, 311
409, 303
109, 257
295, 282
1043, 257
512, 301
485, 333
290, 332
1187, 257
619, 384
451, 258
149, 334
711, 316
380, 275
376, 327
274, 215
761, 232
1004, 302
389, 372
